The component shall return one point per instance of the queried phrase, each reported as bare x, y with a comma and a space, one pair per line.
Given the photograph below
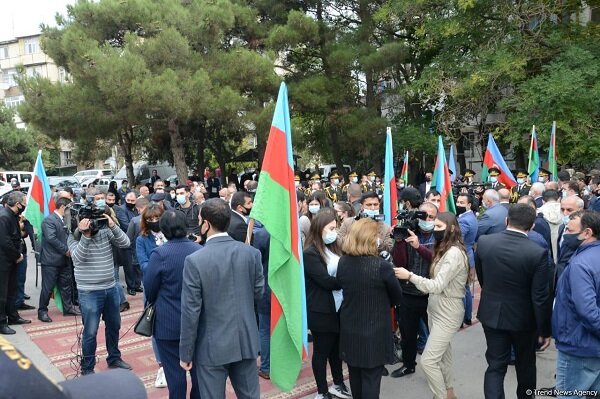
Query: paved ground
469, 361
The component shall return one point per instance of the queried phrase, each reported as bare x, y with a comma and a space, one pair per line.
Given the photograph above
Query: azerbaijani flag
533, 167
390, 195
39, 198
39, 205
441, 180
552, 166
275, 206
493, 158
452, 164
404, 173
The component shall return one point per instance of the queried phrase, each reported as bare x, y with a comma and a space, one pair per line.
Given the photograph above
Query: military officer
493, 173
334, 192
544, 175
353, 176
314, 184
522, 187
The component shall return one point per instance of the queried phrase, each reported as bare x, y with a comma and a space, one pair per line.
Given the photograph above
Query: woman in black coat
370, 290
323, 300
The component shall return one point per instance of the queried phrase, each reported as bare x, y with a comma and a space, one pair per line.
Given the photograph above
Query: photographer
98, 292
369, 207
414, 253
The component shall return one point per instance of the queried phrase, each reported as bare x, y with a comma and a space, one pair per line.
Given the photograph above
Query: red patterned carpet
59, 341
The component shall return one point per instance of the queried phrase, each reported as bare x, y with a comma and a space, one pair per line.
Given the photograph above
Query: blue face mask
371, 212
100, 203
520, 181
330, 237
425, 225
314, 208
565, 219
181, 199
493, 179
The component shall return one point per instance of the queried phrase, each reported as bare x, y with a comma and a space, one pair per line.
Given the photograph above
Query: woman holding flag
449, 272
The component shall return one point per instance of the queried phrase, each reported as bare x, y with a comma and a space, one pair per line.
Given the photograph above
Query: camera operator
369, 207
414, 253
92, 257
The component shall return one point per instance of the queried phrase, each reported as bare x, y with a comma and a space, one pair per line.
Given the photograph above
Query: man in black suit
425, 187
513, 308
10, 256
241, 205
567, 241
56, 267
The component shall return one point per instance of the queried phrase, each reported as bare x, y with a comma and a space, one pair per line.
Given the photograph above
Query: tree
15, 144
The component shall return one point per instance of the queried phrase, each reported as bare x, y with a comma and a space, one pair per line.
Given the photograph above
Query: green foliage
15, 144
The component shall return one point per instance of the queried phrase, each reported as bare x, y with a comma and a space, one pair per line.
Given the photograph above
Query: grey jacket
54, 244
221, 286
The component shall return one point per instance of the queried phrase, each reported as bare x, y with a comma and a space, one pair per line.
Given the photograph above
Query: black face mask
130, 206
153, 226
428, 178
571, 240
20, 208
246, 211
460, 210
438, 235
110, 205
203, 236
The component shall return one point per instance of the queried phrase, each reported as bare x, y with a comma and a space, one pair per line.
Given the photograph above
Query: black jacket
10, 239
370, 290
237, 227
513, 273
54, 244
320, 305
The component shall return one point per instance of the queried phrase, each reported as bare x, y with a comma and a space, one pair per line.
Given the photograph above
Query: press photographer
413, 252
369, 207
92, 256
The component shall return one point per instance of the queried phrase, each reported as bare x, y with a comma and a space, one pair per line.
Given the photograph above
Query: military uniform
353, 179
520, 189
333, 192
544, 175
495, 172
315, 178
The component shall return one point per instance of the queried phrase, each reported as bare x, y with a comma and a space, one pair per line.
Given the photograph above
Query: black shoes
385, 372
6, 330
124, 306
120, 364
44, 317
87, 372
18, 322
401, 372
26, 297
131, 291
25, 306
72, 312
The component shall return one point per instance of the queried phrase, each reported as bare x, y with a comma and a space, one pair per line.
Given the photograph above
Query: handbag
145, 324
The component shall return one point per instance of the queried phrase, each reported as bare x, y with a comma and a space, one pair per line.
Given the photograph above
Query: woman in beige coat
449, 272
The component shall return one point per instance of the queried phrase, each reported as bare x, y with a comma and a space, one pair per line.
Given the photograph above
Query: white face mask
354, 179
314, 208
335, 182
371, 179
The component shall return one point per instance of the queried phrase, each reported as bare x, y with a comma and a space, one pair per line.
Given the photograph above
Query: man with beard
98, 292
241, 205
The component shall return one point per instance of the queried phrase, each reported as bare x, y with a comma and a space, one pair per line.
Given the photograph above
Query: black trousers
56, 275
499, 344
326, 347
8, 294
365, 383
175, 375
133, 276
412, 310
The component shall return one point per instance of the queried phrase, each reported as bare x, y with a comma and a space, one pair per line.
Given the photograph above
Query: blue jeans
21, 276
577, 373
264, 332
468, 301
94, 305
122, 298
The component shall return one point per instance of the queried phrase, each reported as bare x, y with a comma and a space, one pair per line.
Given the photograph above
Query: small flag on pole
404, 173
390, 200
533, 167
452, 164
275, 206
441, 180
552, 166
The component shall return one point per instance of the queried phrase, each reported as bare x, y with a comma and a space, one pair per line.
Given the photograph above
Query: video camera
407, 220
88, 211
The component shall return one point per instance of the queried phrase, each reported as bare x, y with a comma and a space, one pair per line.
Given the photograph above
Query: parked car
101, 183
24, 178
325, 170
61, 182
87, 174
142, 172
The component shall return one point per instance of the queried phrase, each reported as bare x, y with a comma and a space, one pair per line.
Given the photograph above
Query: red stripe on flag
37, 194
276, 148
276, 311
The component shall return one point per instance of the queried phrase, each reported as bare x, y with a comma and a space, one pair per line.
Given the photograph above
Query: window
31, 46
3, 53
9, 77
62, 74
67, 154
34, 71
13, 101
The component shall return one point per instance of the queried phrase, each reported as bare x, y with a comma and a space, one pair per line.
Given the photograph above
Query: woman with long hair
449, 274
370, 290
323, 300
316, 201
343, 210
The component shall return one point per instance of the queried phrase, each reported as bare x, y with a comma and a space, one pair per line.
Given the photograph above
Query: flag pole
249, 231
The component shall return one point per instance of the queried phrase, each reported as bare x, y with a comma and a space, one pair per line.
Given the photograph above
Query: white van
325, 170
142, 172
24, 178
86, 174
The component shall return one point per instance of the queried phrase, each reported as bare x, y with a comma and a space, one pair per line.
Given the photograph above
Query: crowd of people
368, 285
